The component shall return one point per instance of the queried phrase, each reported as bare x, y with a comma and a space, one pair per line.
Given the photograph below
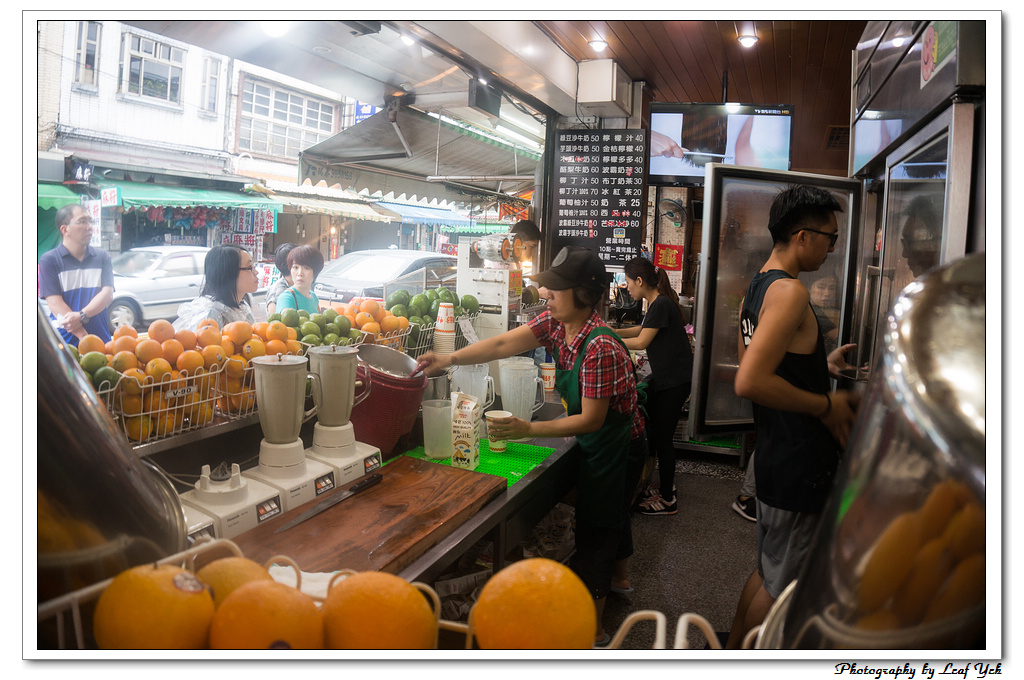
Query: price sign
599, 192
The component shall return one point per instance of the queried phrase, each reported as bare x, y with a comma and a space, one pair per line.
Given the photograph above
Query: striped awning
421, 214
143, 195
326, 206
56, 196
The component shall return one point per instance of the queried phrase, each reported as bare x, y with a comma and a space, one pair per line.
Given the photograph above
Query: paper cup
497, 445
547, 374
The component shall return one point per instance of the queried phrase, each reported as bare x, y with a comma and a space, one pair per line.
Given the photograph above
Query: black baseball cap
573, 266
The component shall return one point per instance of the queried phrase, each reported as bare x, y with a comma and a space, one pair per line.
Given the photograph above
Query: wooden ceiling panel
803, 63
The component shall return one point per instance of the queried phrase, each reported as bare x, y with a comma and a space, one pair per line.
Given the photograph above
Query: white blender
334, 441
280, 396
224, 504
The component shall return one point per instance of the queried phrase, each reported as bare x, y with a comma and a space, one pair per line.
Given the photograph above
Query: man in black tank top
801, 426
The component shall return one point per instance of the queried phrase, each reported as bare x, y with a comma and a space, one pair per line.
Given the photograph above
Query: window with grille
150, 68
87, 50
211, 80
281, 122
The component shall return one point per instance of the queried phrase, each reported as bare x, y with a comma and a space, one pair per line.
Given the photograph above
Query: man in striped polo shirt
77, 280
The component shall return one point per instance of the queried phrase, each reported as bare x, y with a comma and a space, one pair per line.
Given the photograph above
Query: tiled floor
695, 561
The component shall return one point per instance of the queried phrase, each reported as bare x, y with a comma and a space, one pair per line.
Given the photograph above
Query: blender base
350, 461
285, 468
235, 505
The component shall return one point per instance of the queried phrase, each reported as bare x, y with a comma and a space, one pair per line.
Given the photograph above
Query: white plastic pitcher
474, 379
336, 367
437, 428
281, 394
522, 389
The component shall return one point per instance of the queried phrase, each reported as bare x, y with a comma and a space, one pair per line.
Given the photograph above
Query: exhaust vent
837, 137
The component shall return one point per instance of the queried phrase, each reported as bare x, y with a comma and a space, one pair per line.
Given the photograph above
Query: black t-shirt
669, 353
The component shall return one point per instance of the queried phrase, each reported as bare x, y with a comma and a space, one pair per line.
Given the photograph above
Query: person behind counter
284, 282
229, 282
529, 235
663, 335
305, 263
594, 376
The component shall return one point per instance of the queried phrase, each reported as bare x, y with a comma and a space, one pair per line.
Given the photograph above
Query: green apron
601, 480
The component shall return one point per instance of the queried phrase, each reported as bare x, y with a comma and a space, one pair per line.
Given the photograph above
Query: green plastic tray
514, 463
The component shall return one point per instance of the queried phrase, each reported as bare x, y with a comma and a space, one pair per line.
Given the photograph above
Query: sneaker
656, 505
747, 509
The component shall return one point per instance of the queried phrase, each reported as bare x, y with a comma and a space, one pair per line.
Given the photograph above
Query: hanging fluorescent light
732, 107
515, 135
748, 40
598, 45
408, 41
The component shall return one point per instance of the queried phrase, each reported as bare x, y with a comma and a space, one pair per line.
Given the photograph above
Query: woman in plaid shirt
594, 375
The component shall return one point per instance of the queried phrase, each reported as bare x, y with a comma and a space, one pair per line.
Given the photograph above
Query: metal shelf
220, 425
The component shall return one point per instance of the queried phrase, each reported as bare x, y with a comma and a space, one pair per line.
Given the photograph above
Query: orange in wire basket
402, 616
227, 574
267, 615
535, 603
160, 330
153, 607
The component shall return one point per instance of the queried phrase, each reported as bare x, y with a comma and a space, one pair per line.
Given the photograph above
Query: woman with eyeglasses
228, 286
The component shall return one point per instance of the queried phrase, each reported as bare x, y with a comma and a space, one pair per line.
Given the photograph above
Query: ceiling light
747, 40
407, 40
897, 42
483, 81
275, 29
515, 135
598, 45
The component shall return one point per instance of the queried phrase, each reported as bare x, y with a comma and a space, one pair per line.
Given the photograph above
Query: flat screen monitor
686, 137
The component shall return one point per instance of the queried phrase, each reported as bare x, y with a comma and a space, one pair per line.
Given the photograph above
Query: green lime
303, 314
319, 320
105, 377
344, 324
470, 304
458, 311
355, 334
431, 295
92, 361
331, 314
416, 320
435, 306
74, 352
332, 339
310, 328
311, 339
421, 302
331, 328
445, 295
399, 310
290, 317
399, 297
276, 316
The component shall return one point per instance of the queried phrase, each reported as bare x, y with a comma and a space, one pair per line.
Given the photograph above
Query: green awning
56, 196
143, 195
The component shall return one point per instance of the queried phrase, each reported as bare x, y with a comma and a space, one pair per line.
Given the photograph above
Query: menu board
599, 192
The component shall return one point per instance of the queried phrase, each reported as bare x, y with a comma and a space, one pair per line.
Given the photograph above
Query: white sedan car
151, 281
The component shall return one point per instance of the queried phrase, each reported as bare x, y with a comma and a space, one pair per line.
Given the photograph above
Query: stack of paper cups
444, 329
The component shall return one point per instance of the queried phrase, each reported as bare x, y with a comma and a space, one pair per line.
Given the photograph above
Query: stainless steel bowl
387, 360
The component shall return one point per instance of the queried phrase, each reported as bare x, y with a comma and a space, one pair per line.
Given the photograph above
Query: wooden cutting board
385, 528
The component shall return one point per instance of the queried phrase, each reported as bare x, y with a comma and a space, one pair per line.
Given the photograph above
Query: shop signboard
110, 197
670, 258
599, 192
363, 111
94, 210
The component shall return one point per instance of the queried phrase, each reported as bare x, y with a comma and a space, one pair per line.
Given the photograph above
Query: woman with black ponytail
663, 335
